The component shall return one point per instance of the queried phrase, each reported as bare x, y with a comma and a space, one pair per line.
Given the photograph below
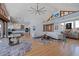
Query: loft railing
52, 17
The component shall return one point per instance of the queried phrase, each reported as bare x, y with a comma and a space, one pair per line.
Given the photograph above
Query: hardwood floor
53, 47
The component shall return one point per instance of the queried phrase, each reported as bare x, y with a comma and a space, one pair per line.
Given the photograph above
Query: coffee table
45, 37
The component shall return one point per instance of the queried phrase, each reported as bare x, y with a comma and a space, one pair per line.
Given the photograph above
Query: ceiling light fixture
37, 10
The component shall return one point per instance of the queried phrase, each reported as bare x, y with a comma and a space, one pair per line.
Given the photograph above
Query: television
69, 26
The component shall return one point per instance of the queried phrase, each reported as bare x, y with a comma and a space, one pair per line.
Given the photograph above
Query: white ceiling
20, 10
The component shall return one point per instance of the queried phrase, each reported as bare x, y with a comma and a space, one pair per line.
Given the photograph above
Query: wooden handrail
3, 18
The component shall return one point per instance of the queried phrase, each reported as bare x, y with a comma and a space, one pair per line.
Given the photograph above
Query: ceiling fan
37, 10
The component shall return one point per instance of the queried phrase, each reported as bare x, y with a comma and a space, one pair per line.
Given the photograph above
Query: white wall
38, 27
37, 22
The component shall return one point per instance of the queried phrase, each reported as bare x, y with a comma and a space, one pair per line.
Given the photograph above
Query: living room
39, 29
67, 24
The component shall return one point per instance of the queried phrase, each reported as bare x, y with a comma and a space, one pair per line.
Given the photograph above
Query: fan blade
36, 13
32, 8
41, 11
42, 8
37, 7
32, 11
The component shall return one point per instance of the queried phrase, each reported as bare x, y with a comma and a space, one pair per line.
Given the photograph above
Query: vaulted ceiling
20, 10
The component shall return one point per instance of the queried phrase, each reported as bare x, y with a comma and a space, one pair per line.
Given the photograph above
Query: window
62, 25
0, 31
48, 27
0, 25
77, 24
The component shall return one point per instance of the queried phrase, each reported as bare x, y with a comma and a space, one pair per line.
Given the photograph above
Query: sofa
72, 34
56, 34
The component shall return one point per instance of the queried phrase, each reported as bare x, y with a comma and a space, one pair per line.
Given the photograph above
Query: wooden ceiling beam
3, 18
3, 13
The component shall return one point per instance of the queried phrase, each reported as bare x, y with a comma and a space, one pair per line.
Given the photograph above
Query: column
73, 24
6, 29
1, 29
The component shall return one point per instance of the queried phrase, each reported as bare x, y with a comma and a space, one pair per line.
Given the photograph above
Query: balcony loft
70, 17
